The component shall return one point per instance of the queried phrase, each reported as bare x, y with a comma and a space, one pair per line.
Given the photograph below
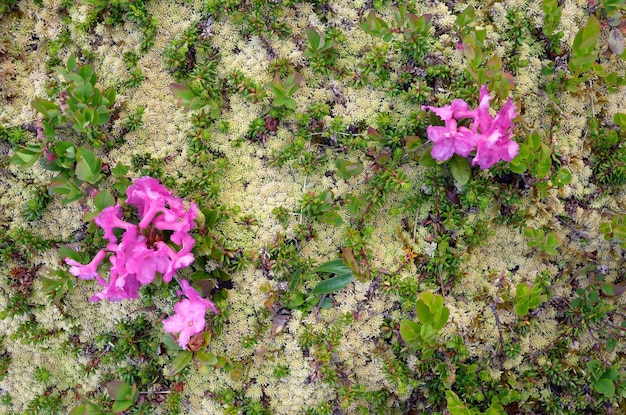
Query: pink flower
169, 221
489, 136
193, 295
494, 143
109, 219
445, 138
150, 198
178, 259
187, 321
139, 256
89, 271
189, 315
121, 284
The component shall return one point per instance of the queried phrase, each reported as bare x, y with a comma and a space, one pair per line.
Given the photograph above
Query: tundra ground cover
395, 208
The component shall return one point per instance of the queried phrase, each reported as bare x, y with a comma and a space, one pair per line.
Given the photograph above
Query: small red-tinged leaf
613, 289
412, 143
373, 133
616, 41
119, 390
347, 169
182, 92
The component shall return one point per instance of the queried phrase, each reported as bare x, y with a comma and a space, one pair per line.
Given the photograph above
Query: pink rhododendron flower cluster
142, 252
489, 136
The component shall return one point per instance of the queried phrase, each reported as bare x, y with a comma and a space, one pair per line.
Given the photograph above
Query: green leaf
103, 199
620, 120
346, 169
413, 142
65, 252
427, 160
424, 314
83, 91
335, 266
331, 218
552, 242
236, 374
466, 17
182, 359
527, 298
333, 284
543, 162
120, 406
314, 38
187, 98
410, 331
208, 358
587, 37
119, 390
26, 156
88, 166
48, 108
562, 177
605, 386
294, 299
120, 169
71, 63
455, 405
88, 408
460, 169
326, 304
521, 302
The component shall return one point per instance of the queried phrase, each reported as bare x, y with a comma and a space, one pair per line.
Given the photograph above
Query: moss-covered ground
297, 128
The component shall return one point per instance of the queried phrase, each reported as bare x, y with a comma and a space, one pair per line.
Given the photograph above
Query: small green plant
78, 167
583, 54
284, 89
536, 158
191, 99
491, 72
33, 209
552, 17
544, 242
124, 397
608, 151
457, 407
321, 50
604, 378
414, 41
322, 206
527, 297
432, 315
615, 229
82, 106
